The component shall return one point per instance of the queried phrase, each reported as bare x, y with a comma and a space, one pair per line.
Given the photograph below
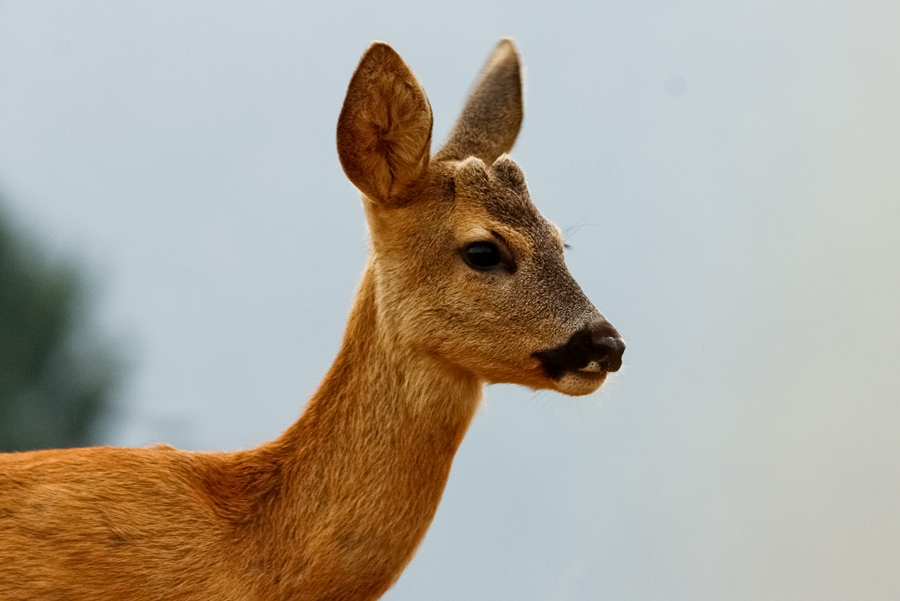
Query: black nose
597, 347
607, 351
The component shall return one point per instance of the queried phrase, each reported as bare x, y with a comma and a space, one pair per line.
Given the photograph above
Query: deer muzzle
594, 349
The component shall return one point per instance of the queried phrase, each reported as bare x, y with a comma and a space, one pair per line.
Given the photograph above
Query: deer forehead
494, 200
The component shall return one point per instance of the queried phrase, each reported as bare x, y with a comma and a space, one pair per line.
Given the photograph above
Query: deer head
467, 271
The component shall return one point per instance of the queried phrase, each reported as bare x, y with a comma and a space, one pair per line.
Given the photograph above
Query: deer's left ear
384, 131
490, 121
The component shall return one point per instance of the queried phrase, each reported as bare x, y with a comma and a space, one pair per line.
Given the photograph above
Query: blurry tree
56, 374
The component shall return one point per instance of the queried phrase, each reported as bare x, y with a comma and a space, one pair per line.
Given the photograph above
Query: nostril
609, 352
601, 331
613, 346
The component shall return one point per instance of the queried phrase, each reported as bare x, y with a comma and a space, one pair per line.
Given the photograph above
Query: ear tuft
384, 130
490, 121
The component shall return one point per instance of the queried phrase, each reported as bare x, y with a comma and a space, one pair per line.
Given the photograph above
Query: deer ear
384, 131
490, 121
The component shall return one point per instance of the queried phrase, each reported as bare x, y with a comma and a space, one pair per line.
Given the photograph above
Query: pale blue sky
728, 176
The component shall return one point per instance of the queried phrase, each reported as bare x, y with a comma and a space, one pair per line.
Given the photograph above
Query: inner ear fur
490, 121
384, 130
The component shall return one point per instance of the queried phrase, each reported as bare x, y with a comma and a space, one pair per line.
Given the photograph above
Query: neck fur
350, 489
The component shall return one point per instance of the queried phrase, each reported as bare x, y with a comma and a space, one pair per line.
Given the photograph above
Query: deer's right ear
384, 131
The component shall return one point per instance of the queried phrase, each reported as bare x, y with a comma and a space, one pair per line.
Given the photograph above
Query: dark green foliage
55, 375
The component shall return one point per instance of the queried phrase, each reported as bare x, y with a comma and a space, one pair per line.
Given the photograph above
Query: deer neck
388, 409
367, 462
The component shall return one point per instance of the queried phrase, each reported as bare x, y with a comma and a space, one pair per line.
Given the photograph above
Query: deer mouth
574, 381
592, 368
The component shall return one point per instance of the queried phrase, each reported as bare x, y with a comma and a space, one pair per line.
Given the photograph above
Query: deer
465, 285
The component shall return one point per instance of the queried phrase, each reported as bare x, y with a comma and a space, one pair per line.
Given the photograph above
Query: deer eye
482, 255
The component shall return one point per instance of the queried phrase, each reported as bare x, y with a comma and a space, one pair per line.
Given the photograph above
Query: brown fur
337, 505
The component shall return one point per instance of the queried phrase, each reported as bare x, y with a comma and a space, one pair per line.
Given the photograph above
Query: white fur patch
579, 383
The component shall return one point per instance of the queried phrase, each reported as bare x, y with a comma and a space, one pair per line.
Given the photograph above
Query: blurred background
180, 249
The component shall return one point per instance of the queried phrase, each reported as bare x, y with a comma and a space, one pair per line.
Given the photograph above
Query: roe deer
465, 285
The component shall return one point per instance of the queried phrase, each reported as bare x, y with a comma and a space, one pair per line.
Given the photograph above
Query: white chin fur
578, 384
